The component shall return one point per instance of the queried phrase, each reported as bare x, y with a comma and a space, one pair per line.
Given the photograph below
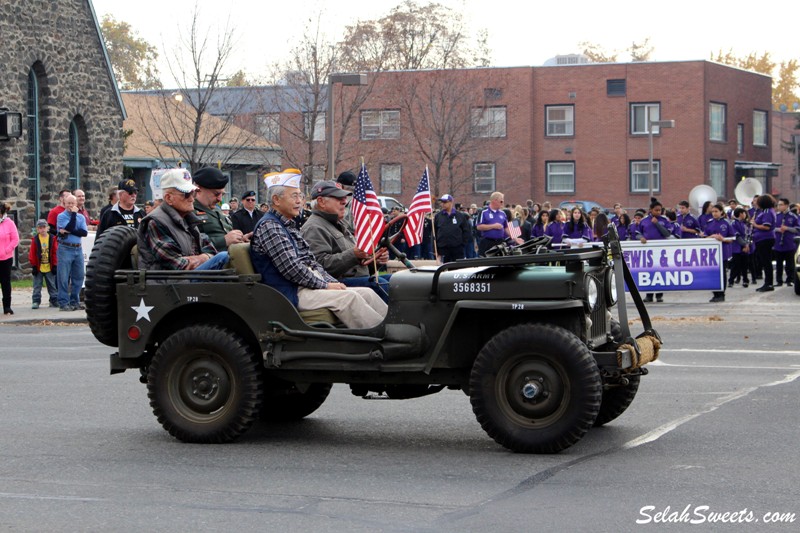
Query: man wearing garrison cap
211, 184
285, 261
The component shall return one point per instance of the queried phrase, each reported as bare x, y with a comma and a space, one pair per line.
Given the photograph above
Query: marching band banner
675, 264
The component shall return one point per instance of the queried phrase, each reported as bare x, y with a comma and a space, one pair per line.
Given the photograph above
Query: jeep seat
239, 260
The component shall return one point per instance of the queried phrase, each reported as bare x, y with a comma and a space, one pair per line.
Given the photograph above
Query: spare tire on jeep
111, 252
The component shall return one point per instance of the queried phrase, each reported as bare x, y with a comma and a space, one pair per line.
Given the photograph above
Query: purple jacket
784, 242
722, 227
651, 231
764, 218
556, 231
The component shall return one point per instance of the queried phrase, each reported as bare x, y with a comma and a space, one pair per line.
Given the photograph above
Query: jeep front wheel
290, 403
204, 385
535, 388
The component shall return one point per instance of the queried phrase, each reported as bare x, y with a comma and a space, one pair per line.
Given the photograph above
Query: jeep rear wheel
535, 388
111, 251
289, 403
204, 385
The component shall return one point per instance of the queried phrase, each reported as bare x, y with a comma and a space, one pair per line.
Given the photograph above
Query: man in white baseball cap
169, 238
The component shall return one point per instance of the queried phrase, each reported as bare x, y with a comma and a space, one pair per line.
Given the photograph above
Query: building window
740, 138
391, 179
560, 120
640, 176
717, 175
493, 93
759, 128
641, 115
561, 177
615, 87
33, 152
488, 122
380, 124
314, 124
269, 126
74, 157
716, 117
484, 177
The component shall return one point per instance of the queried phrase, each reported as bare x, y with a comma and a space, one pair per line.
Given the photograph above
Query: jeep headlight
611, 287
592, 292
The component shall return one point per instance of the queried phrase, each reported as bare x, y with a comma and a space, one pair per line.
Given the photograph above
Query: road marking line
13, 496
659, 432
745, 351
733, 367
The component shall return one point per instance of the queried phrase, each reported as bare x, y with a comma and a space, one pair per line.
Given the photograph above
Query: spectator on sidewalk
43, 257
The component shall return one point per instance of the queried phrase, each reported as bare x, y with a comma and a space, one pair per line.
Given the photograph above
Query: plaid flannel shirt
166, 249
294, 264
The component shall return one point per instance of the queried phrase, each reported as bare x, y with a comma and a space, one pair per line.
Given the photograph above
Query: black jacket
452, 229
242, 220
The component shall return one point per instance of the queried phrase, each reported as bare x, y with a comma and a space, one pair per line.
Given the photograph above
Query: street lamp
344, 79
658, 124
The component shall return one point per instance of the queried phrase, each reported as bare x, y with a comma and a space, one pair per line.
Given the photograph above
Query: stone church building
54, 69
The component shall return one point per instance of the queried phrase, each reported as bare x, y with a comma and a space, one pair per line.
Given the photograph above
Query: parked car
387, 202
586, 205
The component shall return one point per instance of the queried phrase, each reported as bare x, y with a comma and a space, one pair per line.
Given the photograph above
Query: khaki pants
356, 307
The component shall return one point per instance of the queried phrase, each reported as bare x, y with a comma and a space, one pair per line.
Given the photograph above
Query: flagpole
433, 219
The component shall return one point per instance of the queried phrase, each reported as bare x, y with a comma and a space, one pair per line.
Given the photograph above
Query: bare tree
180, 121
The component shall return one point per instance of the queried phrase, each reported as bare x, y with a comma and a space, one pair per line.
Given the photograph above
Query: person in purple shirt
623, 224
719, 228
633, 227
493, 224
688, 225
705, 216
764, 237
555, 229
740, 248
578, 226
786, 228
654, 226
541, 224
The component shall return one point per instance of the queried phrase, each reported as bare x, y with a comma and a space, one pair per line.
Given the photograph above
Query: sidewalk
23, 314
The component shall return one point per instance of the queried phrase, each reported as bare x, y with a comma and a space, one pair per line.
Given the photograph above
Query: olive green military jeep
528, 334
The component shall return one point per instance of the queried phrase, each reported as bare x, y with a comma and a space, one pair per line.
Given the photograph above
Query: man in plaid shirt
285, 262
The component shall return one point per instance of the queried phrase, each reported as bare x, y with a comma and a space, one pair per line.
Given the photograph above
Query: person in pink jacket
9, 239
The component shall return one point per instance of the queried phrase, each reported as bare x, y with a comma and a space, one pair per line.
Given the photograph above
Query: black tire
796, 285
288, 404
111, 251
204, 385
616, 399
552, 365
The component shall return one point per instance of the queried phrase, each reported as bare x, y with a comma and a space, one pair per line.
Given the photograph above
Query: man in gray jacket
334, 245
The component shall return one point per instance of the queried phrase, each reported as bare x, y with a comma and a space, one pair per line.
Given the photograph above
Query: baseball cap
129, 186
446, 198
41, 222
177, 178
327, 188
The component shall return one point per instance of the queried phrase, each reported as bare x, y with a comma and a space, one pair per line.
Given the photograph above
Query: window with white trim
380, 124
641, 115
560, 120
717, 121
488, 122
560, 177
318, 133
269, 126
716, 173
484, 177
391, 179
759, 128
640, 176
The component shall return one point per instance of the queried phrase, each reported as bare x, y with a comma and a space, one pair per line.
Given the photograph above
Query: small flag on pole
513, 229
367, 213
420, 205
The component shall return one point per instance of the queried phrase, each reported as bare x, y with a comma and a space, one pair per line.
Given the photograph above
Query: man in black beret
211, 184
245, 219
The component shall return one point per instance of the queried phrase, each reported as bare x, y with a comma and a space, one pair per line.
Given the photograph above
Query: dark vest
182, 229
269, 274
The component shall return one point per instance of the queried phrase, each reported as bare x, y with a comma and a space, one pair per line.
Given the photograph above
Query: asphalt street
713, 430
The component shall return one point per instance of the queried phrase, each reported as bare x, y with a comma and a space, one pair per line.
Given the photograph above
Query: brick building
55, 71
785, 134
579, 132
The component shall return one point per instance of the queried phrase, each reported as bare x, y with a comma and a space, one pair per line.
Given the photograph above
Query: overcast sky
518, 36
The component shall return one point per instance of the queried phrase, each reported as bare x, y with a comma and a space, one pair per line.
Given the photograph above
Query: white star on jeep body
142, 311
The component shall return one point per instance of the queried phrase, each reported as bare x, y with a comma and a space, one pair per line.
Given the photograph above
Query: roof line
108, 60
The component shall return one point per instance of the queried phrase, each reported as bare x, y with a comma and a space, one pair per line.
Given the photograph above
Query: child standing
42, 257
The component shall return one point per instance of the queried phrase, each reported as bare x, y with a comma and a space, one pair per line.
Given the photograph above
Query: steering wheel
388, 238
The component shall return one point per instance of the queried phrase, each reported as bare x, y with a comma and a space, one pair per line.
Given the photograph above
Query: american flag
420, 205
367, 213
513, 229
